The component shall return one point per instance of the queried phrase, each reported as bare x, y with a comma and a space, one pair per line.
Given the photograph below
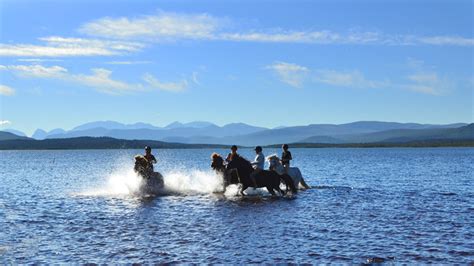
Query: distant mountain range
201, 132
4, 135
450, 137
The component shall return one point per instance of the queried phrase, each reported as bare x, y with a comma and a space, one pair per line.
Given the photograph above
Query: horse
238, 172
152, 181
293, 172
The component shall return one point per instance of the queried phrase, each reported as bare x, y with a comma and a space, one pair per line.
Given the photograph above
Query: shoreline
107, 143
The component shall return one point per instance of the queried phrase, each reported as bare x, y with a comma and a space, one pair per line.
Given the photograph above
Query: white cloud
36, 71
124, 35
315, 37
64, 47
447, 40
164, 26
427, 82
100, 79
167, 26
5, 90
4, 122
424, 79
353, 79
355, 38
167, 86
37, 60
421, 79
289, 73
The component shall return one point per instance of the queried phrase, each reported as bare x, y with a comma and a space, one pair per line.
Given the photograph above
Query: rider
232, 154
286, 157
150, 158
258, 164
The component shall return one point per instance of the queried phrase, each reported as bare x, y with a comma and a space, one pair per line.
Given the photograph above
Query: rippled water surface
369, 205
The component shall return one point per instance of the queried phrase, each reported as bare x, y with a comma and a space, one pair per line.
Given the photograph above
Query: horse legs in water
242, 189
281, 191
270, 189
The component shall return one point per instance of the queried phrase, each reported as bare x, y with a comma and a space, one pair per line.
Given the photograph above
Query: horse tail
300, 175
289, 182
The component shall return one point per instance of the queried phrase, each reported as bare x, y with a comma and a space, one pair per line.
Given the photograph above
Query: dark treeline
111, 143
94, 143
414, 144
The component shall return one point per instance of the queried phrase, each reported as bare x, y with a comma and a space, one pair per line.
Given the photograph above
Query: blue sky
267, 63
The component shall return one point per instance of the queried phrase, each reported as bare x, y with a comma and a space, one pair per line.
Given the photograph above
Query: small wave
447, 194
377, 260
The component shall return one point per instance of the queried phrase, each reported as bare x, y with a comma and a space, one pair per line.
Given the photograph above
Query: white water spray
127, 183
194, 181
119, 183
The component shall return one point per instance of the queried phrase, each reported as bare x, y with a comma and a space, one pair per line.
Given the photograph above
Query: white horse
294, 172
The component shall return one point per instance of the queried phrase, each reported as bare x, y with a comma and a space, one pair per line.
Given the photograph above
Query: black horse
238, 172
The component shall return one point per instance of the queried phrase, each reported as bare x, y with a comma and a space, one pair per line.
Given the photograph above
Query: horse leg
270, 189
279, 189
283, 193
242, 189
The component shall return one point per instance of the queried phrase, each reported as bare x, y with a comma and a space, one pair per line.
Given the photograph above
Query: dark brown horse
152, 181
238, 172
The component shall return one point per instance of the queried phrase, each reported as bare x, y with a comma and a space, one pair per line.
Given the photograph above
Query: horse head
141, 165
230, 174
274, 161
217, 163
243, 166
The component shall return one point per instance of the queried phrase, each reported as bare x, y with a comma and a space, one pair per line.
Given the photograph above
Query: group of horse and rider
235, 169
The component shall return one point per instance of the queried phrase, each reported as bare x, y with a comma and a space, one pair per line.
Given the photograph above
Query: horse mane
140, 158
215, 155
140, 164
273, 156
244, 160
242, 163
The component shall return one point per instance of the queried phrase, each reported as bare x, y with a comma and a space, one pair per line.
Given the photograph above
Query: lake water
369, 205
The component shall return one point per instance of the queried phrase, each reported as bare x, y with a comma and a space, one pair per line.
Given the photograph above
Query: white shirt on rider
259, 162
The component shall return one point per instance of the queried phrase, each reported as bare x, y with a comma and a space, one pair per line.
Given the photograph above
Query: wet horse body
238, 172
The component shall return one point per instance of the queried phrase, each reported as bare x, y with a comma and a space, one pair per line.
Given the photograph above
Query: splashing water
120, 183
127, 182
194, 181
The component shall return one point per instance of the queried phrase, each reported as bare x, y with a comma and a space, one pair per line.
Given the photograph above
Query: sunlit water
369, 205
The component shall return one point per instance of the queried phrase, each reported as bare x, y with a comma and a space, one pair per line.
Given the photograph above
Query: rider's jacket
259, 162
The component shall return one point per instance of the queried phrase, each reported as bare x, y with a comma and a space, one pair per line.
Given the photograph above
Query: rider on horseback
286, 158
258, 164
233, 153
150, 158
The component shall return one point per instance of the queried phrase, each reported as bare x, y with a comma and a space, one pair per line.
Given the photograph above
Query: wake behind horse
238, 172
